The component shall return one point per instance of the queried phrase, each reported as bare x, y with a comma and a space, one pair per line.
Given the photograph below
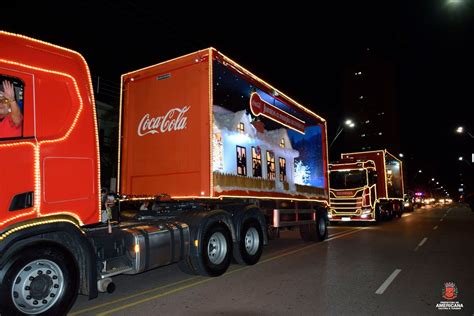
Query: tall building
370, 100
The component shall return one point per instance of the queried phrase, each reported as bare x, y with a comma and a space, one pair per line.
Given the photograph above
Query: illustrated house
245, 155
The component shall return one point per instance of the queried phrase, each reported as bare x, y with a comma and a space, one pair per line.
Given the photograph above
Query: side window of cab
11, 107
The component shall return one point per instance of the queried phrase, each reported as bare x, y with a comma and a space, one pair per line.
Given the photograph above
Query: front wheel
250, 246
41, 281
215, 251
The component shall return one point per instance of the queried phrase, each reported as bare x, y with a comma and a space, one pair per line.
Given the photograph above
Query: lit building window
241, 161
241, 128
257, 162
282, 163
363, 135
282, 143
367, 122
271, 165
361, 97
380, 134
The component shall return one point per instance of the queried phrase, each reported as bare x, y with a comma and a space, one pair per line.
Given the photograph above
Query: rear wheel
250, 245
317, 231
40, 281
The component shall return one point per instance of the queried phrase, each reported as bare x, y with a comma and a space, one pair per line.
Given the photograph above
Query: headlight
406, 204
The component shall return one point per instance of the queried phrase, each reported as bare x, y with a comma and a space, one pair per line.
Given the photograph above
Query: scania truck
366, 186
234, 158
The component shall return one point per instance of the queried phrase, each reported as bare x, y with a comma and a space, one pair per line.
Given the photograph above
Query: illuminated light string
327, 158
64, 137
220, 197
211, 125
40, 222
119, 151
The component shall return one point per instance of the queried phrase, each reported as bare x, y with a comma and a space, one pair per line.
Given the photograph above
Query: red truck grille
344, 205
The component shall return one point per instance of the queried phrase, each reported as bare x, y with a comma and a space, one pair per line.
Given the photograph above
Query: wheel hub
252, 241
217, 248
40, 287
37, 286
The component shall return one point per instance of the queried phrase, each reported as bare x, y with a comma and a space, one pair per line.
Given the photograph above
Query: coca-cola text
174, 120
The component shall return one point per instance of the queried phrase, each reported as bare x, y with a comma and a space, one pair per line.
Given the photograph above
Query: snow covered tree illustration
302, 173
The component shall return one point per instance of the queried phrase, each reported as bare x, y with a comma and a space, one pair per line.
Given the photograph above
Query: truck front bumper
355, 217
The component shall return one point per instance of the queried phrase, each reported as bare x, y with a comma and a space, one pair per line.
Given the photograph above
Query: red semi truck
366, 186
236, 156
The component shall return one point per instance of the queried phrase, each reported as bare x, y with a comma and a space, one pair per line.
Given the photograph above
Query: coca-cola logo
174, 120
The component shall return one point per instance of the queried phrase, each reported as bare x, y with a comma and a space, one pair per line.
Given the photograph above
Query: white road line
421, 243
387, 282
435, 228
441, 220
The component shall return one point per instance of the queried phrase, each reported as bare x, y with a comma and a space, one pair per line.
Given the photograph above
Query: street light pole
348, 123
341, 128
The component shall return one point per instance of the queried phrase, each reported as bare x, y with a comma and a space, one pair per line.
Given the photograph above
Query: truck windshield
348, 179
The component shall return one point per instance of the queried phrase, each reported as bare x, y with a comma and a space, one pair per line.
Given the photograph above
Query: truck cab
352, 190
366, 186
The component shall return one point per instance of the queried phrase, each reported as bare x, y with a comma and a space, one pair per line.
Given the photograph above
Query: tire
249, 248
215, 252
41, 281
315, 232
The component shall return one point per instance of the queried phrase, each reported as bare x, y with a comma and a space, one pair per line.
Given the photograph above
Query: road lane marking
154, 297
421, 243
387, 282
406, 215
81, 311
435, 228
441, 219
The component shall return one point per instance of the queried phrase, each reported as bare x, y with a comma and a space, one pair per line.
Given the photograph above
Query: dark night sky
300, 49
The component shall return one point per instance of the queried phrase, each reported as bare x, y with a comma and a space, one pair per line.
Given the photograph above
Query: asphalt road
394, 268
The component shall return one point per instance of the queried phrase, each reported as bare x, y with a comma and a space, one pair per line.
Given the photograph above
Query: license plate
346, 219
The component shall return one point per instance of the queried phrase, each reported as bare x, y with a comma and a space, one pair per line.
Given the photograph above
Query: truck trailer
366, 186
226, 158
